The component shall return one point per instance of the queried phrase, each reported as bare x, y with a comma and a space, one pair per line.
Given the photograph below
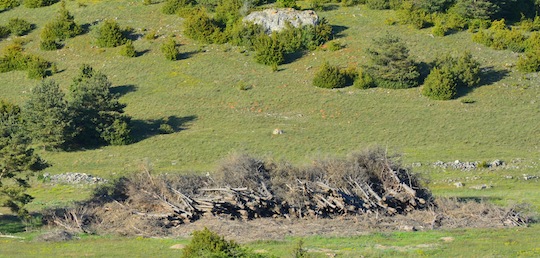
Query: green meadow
221, 102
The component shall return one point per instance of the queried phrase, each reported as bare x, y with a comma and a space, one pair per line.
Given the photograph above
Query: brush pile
245, 188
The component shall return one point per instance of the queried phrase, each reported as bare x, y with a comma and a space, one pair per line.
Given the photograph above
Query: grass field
200, 94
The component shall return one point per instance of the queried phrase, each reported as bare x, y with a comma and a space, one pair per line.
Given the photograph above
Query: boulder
275, 19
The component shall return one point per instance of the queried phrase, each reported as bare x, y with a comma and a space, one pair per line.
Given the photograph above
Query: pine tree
46, 116
16, 160
391, 65
97, 114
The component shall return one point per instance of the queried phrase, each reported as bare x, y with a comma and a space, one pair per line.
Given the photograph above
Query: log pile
247, 188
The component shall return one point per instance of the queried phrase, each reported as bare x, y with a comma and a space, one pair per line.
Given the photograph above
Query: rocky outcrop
276, 19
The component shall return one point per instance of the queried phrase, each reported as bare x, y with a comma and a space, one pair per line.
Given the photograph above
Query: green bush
128, 50
36, 67
206, 243
268, 50
364, 80
176, 6
440, 85
378, 4
169, 49
14, 59
37, 3
329, 77
335, 46
199, 26
391, 66
19, 27
62, 27
286, 4
439, 31
8, 4
529, 62
110, 35
4, 32
117, 133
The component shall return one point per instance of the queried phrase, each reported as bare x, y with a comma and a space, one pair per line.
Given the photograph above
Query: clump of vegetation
110, 35
128, 50
269, 51
529, 62
169, 49
8, 4
97, 115
391, 66
364, 80
38, 3
449, 75
286, 4
330, 77
19, 27
62, 27
206, 243
177, 6
14, 59
17, 160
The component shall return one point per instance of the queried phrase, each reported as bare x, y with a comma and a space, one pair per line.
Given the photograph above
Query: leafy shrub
286, 4
439, 30
62, 27
449, 75
440, 85
206, 243
169, 49
4, 32
166, 129
245, 34
128, 49
268, 50
378, 4
14, 59
417, 18
329, 77
530, 62
335, 46
117, 133
199, 26
391, 66
38, 3
8, 4
364, 80
110, 35
19, 27
175, 6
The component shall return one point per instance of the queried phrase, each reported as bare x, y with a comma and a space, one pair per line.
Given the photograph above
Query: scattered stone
458, 184
408, 228
73, 178
465, 165
509, 177
447, 239
529, 177
177, 246
277, 131
417, 164
481, 187
275, 19
56, 236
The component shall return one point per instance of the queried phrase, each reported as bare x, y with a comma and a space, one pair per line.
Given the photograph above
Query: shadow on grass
488, 76
143, 129
10, 224
338, 30
123, 89
141, 53
291, 57
186, 55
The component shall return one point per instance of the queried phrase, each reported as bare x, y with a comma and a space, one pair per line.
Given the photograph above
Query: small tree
206, 243
19, 27
110, 35
268, 50
46, 116
62, 27
169, 49
97, 114
440, 85
329, 77
391, 65
128, 49
17, 159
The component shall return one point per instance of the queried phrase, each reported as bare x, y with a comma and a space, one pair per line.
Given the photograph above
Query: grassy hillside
200, 93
